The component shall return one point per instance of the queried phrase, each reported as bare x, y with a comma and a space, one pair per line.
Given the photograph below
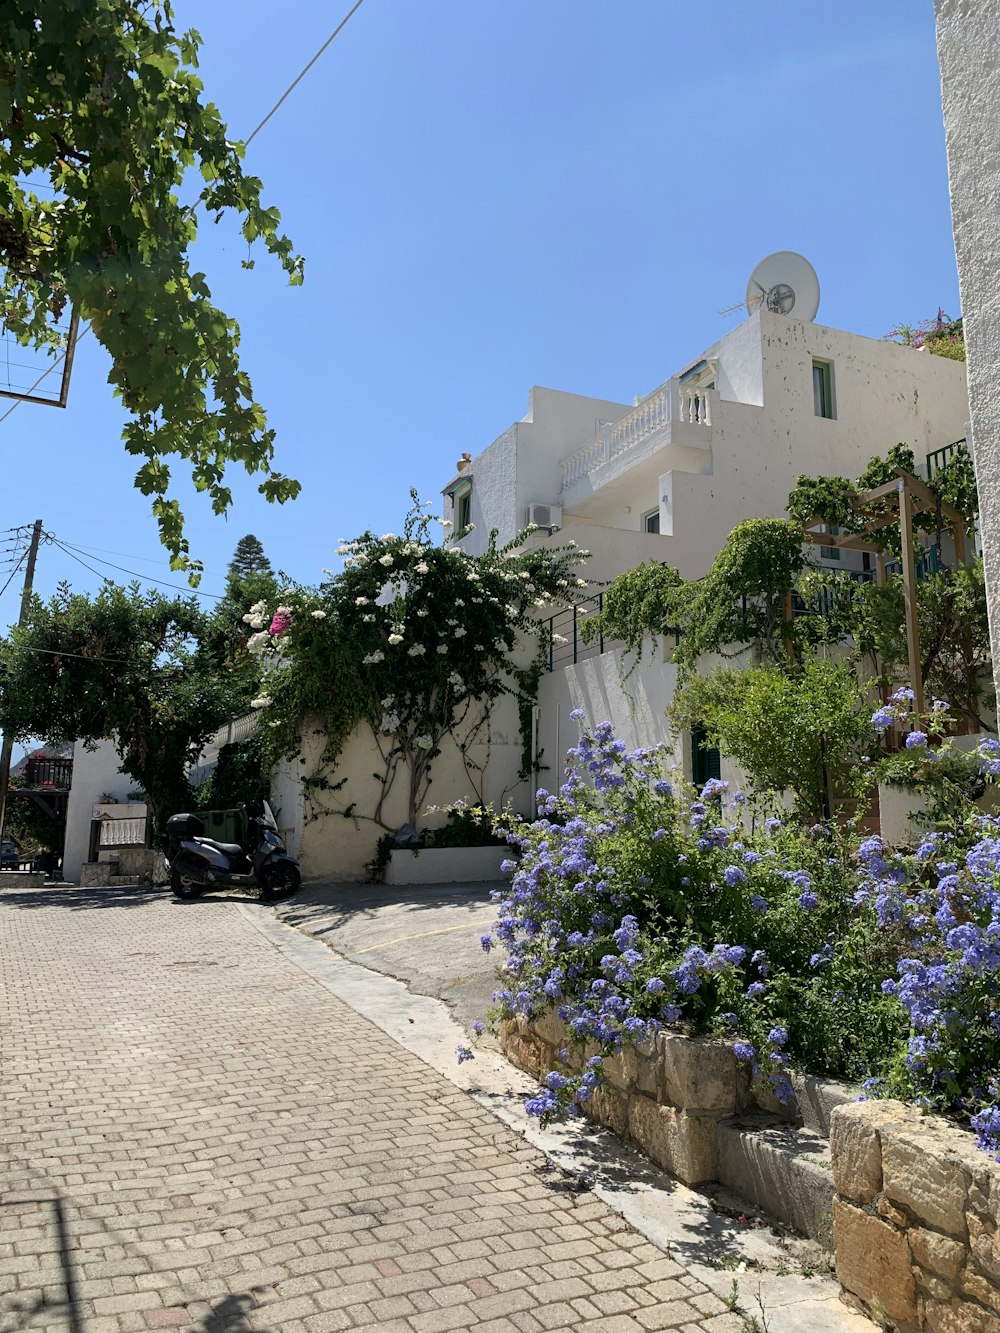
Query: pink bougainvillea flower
281, 623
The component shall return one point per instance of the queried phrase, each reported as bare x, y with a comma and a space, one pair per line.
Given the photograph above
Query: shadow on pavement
338, 904
130, 895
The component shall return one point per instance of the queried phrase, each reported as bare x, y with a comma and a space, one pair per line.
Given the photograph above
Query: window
651, 521
705, 758
829, 552
463, 510
823, 388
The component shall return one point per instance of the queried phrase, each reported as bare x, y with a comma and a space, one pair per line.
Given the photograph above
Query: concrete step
781, 1169
123, 881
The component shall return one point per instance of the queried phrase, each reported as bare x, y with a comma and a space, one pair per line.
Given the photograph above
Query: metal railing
56, 773
938, 458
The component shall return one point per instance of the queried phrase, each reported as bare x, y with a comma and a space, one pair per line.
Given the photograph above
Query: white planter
897, 806
445, 865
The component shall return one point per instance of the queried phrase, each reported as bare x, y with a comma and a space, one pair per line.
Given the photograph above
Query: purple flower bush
636, 908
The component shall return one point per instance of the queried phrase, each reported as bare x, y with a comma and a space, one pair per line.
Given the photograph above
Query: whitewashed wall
95, 772
333, 846
968, 37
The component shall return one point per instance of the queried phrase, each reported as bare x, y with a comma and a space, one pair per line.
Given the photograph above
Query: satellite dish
786, 283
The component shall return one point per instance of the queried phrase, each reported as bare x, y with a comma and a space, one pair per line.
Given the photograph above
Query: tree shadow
79, 899
230, 1315
336, 904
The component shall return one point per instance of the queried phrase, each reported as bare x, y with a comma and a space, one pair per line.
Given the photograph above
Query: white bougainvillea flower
377, 656
423, 742
423, 611
386, 560
318, 615
261, 701
417, 650
388, 536
460, 632
456, 680
395, 638
258, 642
423, 567
442, 648
361, 601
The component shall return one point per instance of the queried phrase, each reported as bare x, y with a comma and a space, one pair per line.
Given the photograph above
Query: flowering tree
413, 640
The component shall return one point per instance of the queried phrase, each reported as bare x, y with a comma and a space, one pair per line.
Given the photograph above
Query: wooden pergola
914, 496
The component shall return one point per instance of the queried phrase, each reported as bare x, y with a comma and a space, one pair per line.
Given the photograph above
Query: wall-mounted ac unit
545, 516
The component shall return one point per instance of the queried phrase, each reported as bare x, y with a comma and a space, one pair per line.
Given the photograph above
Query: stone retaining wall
667, 1094
915, 1219
915, 1203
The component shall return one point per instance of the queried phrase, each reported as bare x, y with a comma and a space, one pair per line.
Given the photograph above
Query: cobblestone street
197, 1135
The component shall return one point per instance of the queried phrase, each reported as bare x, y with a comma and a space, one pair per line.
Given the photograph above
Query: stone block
698, 1074
873, 1262
958, 1316
938, 1253
97, 874
684, 1144
609, 1108
980, 1288
816, 1099
779, 1168
622, 1068
648, 1067
984, 1244
524, 1053
856, 1152
924, 1179
550, 1027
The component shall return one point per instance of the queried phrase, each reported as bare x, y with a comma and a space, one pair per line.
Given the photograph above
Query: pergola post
910, 594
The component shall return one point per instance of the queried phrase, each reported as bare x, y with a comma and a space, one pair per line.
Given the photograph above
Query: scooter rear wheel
279, 881
183, 887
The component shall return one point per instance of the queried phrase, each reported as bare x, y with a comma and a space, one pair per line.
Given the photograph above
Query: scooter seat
229, 848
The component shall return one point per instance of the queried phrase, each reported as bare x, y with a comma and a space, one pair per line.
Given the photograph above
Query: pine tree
249, 558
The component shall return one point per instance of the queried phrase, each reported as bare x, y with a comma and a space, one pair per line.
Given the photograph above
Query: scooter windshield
268, 819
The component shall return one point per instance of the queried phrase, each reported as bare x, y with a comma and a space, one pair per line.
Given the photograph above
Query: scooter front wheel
183, 887
279, 881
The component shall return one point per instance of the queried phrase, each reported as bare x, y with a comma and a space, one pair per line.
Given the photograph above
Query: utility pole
8, 745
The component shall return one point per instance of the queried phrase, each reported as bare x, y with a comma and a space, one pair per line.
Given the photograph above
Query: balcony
674, 423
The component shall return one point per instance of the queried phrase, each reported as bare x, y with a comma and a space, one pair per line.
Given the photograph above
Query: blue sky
497, 193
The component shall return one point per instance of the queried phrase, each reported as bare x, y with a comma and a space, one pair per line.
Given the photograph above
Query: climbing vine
413, 640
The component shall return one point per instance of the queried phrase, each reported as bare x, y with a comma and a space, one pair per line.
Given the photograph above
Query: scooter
196, 863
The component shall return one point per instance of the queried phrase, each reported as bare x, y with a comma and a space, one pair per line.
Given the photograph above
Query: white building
668, 478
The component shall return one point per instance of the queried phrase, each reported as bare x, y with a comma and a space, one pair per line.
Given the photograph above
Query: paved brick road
196, 1135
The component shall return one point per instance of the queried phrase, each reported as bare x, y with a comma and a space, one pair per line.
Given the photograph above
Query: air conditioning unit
545, 516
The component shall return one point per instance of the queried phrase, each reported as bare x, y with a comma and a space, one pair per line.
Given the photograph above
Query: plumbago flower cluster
412, 638
637, 906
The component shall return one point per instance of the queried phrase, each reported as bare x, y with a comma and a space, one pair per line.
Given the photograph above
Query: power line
13, 572
146, 578
253, 134
59, 652
304, 71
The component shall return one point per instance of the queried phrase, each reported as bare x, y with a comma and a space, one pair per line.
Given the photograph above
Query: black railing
54, 774
939, 458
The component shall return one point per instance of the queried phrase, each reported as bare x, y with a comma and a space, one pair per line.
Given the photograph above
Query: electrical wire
250, 138
59, 652
13, 573
145, 578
